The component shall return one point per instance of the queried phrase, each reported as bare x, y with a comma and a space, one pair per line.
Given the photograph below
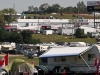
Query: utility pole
14, 6
94, 19
72, 22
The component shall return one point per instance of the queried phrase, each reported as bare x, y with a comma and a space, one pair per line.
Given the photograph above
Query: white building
88, 29
66, 31
77, 59
47, 32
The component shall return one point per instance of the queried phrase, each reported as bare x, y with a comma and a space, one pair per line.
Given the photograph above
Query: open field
61, 38
58, 16
29, 60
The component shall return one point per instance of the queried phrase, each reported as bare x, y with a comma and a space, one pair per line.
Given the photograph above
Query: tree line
46, 8
8, 16
24, 36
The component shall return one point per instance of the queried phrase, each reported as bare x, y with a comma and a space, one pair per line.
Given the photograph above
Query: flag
96, 62
1, 62
4, 61
98, 69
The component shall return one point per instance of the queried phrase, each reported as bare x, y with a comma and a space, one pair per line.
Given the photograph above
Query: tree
80, 33
36, 41
56, 7
5, 36
29, 9
35, 10
70, 9
1, 17
50, 9
9, 15
81, 7
1, 34
27, 36
15, 37
44, 7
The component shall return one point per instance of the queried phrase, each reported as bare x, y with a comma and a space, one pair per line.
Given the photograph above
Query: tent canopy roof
65, 51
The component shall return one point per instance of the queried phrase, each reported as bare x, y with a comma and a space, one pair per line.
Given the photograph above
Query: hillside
58, 16
60, 38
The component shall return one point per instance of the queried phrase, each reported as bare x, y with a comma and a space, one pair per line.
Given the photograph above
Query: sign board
93, 6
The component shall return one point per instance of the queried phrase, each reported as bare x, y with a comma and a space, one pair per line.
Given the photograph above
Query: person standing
64, 72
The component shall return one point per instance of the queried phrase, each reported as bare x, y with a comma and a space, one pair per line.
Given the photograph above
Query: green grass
61, 38
29, 60
66, 16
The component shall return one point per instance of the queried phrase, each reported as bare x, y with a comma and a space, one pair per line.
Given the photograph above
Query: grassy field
50, 38
58, 16
29, 60
61, 38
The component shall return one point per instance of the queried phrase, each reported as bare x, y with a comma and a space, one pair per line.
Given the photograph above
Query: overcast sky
21, 5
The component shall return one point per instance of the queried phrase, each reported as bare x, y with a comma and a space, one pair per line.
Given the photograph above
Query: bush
80, 33
73, 16
84, 36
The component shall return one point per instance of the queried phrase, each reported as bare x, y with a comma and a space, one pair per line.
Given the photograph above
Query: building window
57, 59
60, 59
63, 58
91, 57
44, 60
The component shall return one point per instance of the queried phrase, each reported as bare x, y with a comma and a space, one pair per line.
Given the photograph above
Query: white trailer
66, 31
47, 32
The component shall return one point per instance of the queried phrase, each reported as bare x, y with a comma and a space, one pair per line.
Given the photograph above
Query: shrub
84, 36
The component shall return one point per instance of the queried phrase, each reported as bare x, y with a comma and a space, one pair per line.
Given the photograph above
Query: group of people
63, 72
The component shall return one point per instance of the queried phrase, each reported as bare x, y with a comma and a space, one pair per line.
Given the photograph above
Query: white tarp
64, 51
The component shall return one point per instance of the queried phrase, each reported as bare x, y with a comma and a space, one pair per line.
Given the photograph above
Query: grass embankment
61, 38
58, 16
29, 60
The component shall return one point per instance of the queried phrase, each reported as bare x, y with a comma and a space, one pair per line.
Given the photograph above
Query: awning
65, 51
8, 46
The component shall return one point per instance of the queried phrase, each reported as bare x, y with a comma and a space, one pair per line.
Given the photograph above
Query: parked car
97, 39
30, 55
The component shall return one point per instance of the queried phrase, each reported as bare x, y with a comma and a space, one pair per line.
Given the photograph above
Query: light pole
72, 27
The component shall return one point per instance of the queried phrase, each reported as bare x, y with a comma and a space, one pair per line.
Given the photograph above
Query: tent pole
86, 62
